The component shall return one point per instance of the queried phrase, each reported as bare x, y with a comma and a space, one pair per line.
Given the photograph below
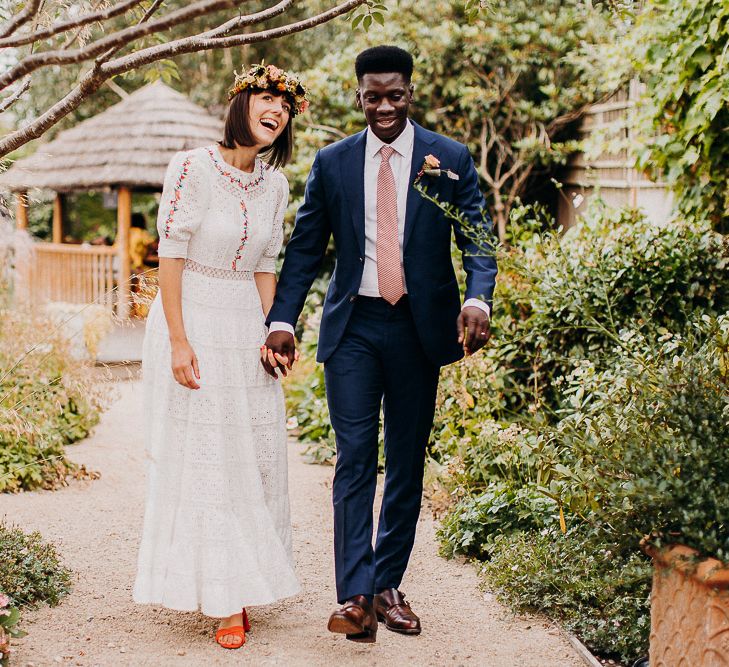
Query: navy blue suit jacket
334, 205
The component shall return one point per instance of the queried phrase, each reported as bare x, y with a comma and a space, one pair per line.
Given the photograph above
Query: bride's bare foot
234, 639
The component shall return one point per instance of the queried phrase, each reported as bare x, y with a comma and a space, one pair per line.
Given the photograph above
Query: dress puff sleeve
267, 261
183, 204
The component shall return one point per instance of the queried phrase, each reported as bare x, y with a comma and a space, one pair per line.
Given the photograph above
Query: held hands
474, 329
279, 352
184, 365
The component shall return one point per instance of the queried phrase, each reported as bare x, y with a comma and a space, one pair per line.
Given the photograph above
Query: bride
217, 531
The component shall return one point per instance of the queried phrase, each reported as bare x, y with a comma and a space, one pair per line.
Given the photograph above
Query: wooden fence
613, 174
70, 273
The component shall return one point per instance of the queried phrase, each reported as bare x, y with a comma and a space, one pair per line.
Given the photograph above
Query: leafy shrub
31, 571
615, 270
642, 451
47, 400
561, 299
600, 594
654, 429
306, 401
472, 523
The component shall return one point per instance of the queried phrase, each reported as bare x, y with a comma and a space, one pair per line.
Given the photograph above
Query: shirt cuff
281, 326
477, 303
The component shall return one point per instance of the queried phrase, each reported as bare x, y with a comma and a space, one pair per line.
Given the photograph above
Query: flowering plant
431, 167
270, 77
9, 617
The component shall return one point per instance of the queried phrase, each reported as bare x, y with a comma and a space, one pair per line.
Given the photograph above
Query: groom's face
385, 100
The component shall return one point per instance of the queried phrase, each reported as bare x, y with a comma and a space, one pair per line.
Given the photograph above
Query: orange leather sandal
239, 631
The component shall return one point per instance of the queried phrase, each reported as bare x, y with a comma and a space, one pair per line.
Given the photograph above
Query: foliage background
679, 49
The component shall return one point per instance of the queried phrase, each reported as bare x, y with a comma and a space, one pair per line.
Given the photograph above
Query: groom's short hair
382, 59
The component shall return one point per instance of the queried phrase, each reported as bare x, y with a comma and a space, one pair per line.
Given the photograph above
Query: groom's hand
474, 329
279, 352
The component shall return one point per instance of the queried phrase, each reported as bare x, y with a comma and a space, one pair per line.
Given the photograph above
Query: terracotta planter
689, 610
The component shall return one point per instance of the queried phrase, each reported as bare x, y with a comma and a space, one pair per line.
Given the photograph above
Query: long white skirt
217, 528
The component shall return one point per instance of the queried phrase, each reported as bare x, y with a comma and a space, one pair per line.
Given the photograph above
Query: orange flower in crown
270, 77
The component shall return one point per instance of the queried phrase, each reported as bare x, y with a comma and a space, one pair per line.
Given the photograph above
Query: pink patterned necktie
389, 271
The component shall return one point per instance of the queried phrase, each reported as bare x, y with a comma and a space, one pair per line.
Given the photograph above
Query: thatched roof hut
125, 148
129, 144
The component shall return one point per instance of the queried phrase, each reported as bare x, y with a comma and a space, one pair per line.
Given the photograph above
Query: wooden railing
71, 273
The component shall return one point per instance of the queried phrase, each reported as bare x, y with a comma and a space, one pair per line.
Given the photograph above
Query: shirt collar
403, 145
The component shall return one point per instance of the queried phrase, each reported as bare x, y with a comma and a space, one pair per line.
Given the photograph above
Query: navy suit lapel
352, 174
421, 147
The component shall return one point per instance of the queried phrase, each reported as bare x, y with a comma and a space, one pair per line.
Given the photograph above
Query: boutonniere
431, 167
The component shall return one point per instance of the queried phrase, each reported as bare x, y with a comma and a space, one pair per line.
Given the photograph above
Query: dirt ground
96, 525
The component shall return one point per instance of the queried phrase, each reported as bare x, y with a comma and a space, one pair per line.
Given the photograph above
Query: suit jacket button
361, 259
352, 298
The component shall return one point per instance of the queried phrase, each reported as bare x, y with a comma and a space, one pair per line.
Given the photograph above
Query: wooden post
58, 219
123, 223
21, 209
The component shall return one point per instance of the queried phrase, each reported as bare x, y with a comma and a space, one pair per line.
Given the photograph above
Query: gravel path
96, 526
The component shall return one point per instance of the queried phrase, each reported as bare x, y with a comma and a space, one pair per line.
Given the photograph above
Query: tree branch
198, 43
90, 83
121, 38
101, 15
518, 183
155, 6
9, 101
94, 79
512, 170
565, 119
244, 21
23, 17
148, 14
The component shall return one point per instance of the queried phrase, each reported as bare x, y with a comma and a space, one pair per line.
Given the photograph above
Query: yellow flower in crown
270, 77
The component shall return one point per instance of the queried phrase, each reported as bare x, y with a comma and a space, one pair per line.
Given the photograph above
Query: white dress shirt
400, 161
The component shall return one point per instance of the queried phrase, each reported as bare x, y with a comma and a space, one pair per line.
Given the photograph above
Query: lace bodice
219, 216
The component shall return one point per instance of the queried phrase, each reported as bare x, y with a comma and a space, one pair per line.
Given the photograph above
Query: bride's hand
271, 361
184, 365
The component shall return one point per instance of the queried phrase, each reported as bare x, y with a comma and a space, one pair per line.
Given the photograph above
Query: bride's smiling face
268, 115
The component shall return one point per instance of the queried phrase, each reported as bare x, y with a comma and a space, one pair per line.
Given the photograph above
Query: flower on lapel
431, 167
431, 162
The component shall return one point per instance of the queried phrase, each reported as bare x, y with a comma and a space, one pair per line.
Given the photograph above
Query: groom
392, 317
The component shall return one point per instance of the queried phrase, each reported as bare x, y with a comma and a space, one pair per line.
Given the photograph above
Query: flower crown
270, 77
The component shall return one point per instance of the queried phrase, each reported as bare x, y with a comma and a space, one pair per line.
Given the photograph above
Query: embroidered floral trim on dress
214, 272
245, 188
176, 197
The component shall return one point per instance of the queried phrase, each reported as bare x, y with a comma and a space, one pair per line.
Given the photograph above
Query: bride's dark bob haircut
238, 129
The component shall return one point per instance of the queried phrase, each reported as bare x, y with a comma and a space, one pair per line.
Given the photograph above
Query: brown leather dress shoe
395, 613
356, 619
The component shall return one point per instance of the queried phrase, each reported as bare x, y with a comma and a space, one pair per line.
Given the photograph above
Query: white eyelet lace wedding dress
217, 530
